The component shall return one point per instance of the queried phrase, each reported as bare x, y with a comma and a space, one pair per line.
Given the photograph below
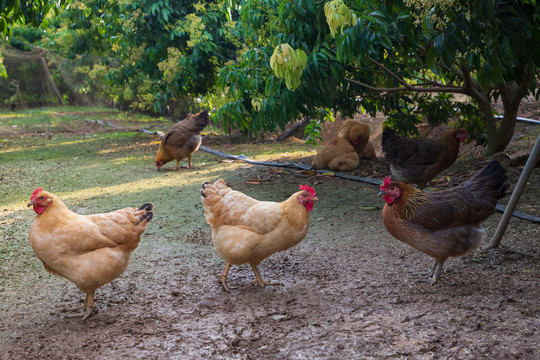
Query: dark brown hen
418, 161
446, 223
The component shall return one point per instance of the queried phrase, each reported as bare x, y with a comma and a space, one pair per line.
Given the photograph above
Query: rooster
418, 161
245, 230
337, 155
182, 140
88, 250
445, 223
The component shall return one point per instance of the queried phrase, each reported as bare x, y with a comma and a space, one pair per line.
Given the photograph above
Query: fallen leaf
368, 208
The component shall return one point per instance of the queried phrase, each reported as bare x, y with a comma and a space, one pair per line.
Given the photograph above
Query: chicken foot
88, 307
433, 273
430, 272
189, 165
260, 281
223, 277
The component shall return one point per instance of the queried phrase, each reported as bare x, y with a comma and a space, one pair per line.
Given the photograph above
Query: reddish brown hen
446, 223
182, 140
418, 161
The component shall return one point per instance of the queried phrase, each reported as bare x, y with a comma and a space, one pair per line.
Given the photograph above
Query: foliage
288, 64
394, 51
302, 25
28, 13
167, 50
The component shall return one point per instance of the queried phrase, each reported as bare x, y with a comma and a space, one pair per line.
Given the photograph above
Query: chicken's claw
85, 314
432, 275
263, 283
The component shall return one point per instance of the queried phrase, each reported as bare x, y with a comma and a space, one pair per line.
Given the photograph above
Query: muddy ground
347, 292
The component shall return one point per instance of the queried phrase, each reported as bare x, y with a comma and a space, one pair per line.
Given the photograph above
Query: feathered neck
408, 201
449, 139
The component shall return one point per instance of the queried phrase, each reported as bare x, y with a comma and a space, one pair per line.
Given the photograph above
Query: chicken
182, 140
245, 230
88, 250
369, 152
445, 223
357, 133
418, 161
336, 155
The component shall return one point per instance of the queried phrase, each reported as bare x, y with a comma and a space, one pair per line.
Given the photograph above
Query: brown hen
446, 223
88, 250
337, 155
418, 161
182, 140
247, 231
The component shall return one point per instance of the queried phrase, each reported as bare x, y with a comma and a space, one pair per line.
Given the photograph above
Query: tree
259, 100
154, 52
28, 13
392, 56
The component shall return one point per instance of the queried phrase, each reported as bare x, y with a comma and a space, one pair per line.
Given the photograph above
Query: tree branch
442, 88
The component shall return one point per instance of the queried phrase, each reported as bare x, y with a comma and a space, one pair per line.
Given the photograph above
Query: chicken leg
189, 161
259, 278
433, 273
87, 307
223, 277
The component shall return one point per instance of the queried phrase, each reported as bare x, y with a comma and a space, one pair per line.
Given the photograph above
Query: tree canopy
28, 13
403, 58
263, 63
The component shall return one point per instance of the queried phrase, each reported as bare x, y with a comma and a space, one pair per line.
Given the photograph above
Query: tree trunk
49, 80
499, 140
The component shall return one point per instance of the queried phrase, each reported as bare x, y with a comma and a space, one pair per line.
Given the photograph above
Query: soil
347, 292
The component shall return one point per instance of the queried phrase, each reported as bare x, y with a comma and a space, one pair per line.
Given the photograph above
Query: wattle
389, 199
309, 206
39, 209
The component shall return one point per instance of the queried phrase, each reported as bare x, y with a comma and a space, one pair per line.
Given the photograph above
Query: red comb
308, 188
386, 182
34, 194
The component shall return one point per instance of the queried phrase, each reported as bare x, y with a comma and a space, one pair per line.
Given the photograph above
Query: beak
382, 192
315, 199
30, 203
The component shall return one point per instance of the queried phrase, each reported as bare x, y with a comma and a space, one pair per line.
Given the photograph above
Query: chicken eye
41, 197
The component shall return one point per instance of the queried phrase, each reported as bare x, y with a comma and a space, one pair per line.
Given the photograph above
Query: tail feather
396, 149
146, 217
213, 193
147, 207
490, 181
201, 120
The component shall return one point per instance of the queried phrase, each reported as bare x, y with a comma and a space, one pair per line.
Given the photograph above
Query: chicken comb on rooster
34, 194
308, 189
387, 181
